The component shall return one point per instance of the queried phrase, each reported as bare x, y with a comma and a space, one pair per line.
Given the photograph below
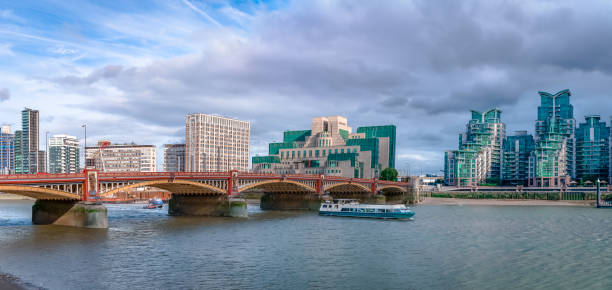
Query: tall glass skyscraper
26, 147
557, 113
553, 162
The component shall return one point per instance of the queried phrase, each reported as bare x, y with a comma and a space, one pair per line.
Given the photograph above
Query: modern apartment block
592, 149
42, 161
556, 111
515, 161
214, 143
121, 157
7, 150
331, 147
553, 162
64, 154
26, 143
174, 157
478, 158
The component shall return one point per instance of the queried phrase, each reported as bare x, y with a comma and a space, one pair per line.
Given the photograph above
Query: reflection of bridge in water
68, 198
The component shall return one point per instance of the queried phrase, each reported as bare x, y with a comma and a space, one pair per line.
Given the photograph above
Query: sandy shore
8, 196
533, 202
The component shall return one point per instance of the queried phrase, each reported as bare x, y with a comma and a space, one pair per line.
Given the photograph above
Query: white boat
352, 208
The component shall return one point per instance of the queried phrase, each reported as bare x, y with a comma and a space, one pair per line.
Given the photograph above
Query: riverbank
8, 196
515, 202
9, 282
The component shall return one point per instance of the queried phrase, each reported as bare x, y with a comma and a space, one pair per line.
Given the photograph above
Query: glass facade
331, 147
7, 151
592, 149
515, 163
478, 159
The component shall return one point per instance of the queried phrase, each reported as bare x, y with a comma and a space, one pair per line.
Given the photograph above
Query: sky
132, 70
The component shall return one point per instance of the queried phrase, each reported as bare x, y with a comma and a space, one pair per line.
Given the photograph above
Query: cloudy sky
132, 70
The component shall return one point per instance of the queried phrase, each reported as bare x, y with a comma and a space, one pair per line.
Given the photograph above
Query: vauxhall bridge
70, 199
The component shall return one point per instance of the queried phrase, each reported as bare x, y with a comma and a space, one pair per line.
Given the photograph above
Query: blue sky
132, 70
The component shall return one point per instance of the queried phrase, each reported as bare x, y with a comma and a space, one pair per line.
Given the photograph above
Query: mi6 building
331, 147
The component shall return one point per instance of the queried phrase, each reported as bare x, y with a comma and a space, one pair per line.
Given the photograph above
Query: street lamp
85, 146
47, 151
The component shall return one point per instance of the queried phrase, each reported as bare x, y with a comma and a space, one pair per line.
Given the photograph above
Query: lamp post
85, 146
47, 152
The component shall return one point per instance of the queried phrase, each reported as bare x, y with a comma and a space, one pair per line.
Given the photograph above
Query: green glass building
556, 111
331, 147
515, 160
478, 159
592, 149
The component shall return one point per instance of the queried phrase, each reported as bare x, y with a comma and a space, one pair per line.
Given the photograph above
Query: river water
444, 247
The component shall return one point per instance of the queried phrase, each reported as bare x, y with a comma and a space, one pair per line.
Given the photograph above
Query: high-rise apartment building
331, 148
64, 154
174, 157
121, 157
42, 161
553, 161
515, 160
592, 149
26, 154
556, 111
7, 150
215, 143
478, 159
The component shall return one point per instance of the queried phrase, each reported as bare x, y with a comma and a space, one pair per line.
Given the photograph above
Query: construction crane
91, 162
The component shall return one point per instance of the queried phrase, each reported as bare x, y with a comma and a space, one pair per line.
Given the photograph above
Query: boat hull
388, 215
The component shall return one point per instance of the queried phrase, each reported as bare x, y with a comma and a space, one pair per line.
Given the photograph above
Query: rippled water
445, 247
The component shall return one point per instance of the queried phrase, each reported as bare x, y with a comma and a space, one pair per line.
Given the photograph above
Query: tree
389, 174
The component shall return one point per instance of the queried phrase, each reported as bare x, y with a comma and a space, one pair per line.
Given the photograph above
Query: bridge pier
290, 201
69, 213
202, 205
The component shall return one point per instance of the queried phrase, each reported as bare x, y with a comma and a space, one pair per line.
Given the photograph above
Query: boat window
345, 209
370, 210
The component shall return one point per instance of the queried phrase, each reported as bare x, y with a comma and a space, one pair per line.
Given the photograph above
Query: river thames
444, 247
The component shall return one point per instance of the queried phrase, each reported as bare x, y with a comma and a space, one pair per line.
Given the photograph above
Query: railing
42, 176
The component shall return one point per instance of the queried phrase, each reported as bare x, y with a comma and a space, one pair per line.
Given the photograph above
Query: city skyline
228, 59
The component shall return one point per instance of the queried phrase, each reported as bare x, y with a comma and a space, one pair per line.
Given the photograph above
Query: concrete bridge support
202, 205
290, 201
70, 213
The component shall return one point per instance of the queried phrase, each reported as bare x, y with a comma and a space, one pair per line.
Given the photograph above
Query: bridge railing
42, 176
163, 174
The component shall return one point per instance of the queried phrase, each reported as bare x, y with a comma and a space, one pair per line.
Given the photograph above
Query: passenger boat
352, 208
155, 203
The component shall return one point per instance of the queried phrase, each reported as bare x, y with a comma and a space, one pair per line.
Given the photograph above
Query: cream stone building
216, 144
121, 157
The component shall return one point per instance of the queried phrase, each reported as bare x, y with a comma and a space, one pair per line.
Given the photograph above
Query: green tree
389, 174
